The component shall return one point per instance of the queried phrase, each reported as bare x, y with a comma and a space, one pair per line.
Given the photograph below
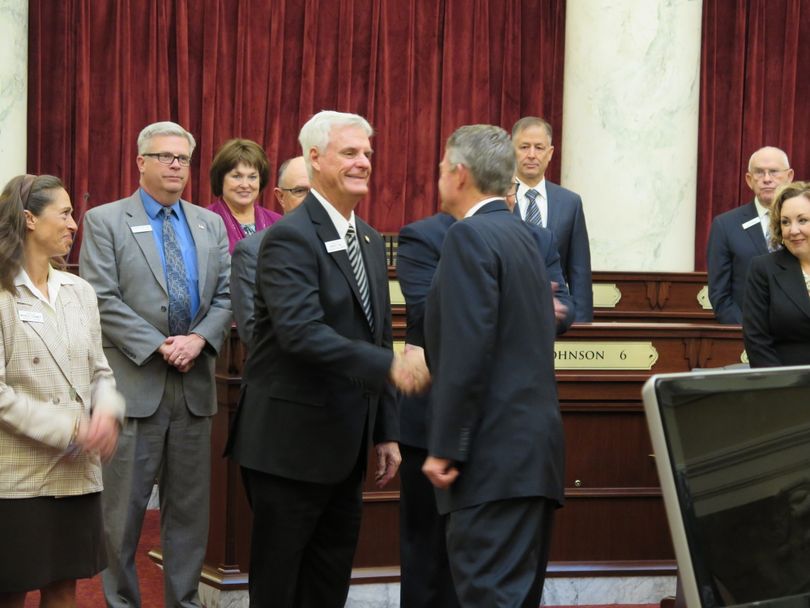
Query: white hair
164, 128
315, 132
770, 149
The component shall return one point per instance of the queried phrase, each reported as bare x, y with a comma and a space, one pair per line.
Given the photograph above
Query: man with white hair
315, 390
740, 234
160, 268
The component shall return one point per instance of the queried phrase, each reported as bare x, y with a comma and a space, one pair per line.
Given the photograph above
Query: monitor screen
738, 446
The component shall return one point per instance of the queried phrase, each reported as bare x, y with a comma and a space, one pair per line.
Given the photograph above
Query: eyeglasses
167, 158
760, 173
297, 192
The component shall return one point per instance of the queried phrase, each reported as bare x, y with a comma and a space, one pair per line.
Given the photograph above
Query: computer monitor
733, 456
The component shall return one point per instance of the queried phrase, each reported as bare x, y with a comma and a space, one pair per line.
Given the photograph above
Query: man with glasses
292, 189
160, 268
740, 234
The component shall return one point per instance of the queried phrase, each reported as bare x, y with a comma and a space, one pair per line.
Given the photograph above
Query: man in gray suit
546, 204
740, 234
293, 187
160, 269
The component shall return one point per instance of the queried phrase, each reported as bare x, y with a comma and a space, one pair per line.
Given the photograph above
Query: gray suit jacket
243, 284
123, 266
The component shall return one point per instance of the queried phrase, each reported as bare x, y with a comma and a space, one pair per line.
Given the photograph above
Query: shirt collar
474, 209
56, 279
152, 207
541, 188
340, 222
761, 209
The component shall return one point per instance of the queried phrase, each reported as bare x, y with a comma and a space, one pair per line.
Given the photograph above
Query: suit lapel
790, 279
47, 329
553, 219
136, 218
326, 233
754, 232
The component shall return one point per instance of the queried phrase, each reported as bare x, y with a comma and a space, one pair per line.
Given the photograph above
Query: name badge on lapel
139, 229
751, 222
31, 316
336, 245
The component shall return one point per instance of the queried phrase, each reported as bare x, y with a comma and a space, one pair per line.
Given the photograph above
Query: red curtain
751, 95
101, 71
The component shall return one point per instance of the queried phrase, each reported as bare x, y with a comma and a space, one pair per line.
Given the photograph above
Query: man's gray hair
487, 152
315, 133
777, 150
163, 128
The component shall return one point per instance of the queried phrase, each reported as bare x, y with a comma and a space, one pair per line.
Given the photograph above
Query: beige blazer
52, 369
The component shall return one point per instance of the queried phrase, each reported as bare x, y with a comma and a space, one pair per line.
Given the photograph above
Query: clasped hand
409, 372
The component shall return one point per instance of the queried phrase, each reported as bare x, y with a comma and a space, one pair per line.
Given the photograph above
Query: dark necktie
533, 211
356, 261
179, 300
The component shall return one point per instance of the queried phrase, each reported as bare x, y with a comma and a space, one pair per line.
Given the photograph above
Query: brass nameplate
395, 293
604, 355
744, 357
703, 298
605, 295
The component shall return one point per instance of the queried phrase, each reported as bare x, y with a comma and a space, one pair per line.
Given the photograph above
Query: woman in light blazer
59, 410
776, 308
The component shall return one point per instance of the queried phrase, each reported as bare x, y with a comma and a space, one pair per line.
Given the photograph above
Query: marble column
13, 87
630, 119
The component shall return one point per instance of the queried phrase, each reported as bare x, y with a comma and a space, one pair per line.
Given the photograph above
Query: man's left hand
184, 350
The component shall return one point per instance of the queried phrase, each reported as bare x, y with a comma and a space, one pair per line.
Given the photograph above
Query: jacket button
36, 360
162, 309
56, 400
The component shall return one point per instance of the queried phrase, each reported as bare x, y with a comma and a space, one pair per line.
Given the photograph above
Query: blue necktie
533, 211
356, 261
179, 300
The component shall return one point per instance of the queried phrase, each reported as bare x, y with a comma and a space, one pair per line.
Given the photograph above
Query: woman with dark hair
239, 172
59, 410
776, 309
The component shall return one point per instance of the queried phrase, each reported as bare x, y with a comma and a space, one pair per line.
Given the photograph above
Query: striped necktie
356, 261
533, 211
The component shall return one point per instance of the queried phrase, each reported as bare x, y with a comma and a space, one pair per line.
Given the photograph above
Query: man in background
546, 204
740, 234
160, 268
292, 188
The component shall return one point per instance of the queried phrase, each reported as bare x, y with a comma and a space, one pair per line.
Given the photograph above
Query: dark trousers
499, 551
303, 540
425, 580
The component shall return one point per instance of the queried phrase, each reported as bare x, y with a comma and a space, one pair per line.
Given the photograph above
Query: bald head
768, 168
293, 183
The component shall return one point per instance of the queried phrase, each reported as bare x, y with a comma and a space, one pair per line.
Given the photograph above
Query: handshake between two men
409, 372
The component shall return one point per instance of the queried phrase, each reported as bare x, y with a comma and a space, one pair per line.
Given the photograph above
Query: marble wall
630, 108
13, 87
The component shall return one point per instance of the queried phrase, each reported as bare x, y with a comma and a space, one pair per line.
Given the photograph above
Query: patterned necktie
766, 219
533, 211
179, 300
356, 261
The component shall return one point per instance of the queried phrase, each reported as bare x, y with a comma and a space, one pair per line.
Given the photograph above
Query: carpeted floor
89, 594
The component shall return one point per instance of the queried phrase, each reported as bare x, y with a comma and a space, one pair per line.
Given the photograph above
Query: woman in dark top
776, 309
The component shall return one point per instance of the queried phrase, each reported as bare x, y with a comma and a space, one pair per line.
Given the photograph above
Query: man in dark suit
738, 235
293, 186
160, 268
495, 434
560, 210
424, 570
315, 383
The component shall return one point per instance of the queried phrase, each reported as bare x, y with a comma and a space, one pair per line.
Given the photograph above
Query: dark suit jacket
315, 378
776, 312
418, 250
243, 284
566, 220
489, 331
729, 254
